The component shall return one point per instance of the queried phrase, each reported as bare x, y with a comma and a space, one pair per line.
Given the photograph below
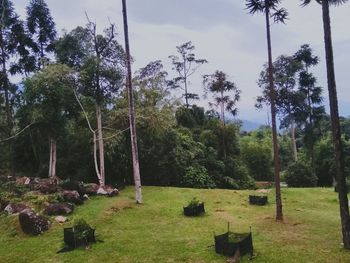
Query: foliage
197, 177
42, 29
258, 159
299, 174
193, 203
82, 229
225, 93
185, 65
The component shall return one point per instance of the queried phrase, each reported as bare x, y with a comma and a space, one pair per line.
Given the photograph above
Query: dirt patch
120, 206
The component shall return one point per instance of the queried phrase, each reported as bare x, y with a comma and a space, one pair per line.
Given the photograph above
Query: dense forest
72, 97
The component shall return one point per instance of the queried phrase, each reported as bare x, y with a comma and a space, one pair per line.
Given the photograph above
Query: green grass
156, 231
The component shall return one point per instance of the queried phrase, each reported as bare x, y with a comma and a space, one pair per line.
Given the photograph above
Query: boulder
45, 186
108, 191
61, 219
73, 185
91, 189
23, 180
15, 208
72, 197
101, 191
59, 209
3, 204
32, 223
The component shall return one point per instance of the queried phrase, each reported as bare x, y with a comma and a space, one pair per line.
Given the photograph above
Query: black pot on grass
230, 243
80, 235
257, 200
194, 208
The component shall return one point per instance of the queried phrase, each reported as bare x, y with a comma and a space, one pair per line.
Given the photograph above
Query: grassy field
156, 231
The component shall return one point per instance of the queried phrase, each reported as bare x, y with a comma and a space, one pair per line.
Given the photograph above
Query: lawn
157, 231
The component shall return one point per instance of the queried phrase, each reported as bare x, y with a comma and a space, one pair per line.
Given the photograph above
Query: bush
193, 203
197, 177
299, 174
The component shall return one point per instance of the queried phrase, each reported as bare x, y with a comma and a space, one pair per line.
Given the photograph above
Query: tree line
69, 117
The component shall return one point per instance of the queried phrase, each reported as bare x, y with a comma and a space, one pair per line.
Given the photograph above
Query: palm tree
133, 136
271, 10
333, 104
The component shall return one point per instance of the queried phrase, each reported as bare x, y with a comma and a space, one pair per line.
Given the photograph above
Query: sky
223, 33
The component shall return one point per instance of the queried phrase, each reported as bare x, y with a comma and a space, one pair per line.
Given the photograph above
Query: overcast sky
222, 32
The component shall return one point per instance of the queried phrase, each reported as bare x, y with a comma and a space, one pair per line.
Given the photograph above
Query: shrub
197, 177
299, 174
193, 203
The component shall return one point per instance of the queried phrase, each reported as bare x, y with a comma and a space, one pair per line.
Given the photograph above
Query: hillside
156, 231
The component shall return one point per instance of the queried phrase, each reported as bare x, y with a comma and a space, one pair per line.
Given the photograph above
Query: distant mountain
250, 125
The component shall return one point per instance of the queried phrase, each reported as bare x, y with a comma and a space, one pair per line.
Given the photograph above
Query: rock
73, 185
72, 197
15, 208
45, 186
59, 209
113, 192
91, 189
61, 219
3, 204
101, 191
23, 180
32, 223
108, 191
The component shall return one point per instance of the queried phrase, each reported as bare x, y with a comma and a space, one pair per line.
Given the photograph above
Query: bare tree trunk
50, 161
294, 143
100, 145
185, 80
8, 110
133, 135
333, 103
53, 154
279, 213
94, 138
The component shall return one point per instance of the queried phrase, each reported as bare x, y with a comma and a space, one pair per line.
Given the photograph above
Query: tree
220, 87
99, 59
14, 58
336, 132
42, 29
288, 100
133, 135
185, 65
311, 114
49, 94
270, 9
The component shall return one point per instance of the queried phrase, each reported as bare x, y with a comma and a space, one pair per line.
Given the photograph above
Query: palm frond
255, 6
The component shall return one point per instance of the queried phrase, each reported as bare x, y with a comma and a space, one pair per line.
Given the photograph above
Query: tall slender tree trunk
333, 104
279, 213
8, 110
133, 135
53, 158
100, 145
294, 143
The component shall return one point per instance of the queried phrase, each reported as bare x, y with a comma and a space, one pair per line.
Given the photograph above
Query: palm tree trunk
333, 103
279, 213
100, 145
133, 135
